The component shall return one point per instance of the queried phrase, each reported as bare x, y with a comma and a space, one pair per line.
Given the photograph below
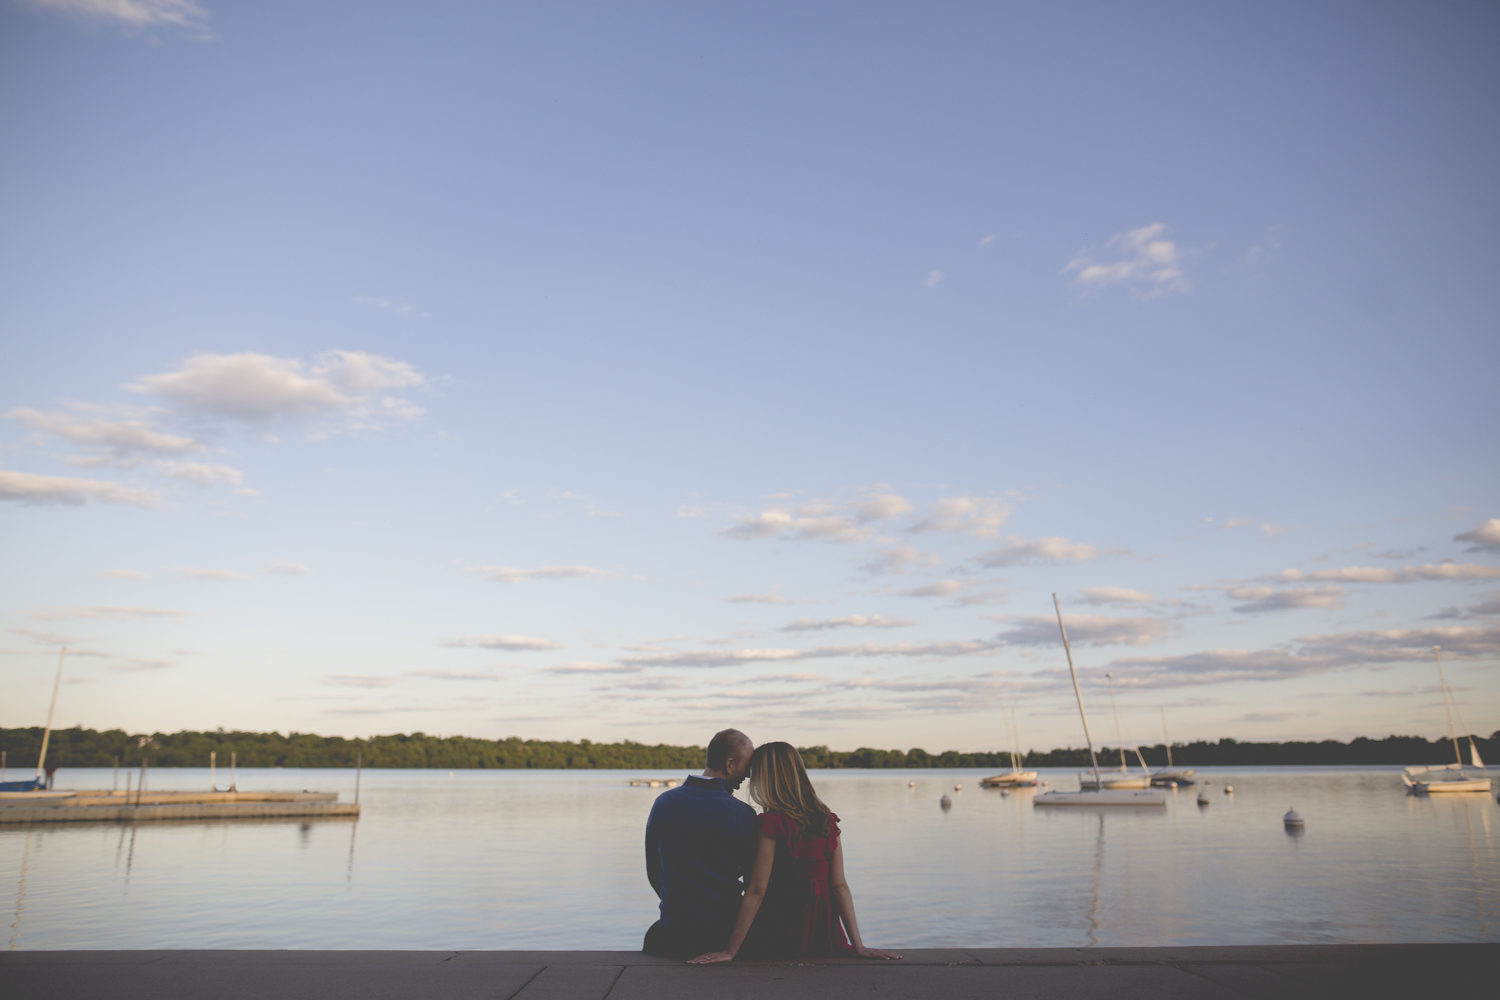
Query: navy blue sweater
700, 843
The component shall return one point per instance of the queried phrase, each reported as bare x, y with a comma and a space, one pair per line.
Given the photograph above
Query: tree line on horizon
79, 747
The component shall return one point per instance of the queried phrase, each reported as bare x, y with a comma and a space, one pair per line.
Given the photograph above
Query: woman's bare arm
755, 894
844, 900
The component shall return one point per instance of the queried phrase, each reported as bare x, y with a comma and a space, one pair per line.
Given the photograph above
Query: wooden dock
116, 806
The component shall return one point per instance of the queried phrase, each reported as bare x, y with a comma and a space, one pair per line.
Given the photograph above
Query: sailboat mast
1165, 738
47, 733
1448, 705
1015, 752
1115, 705
1077, 693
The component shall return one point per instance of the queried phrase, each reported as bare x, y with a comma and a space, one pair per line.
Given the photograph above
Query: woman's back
798, 916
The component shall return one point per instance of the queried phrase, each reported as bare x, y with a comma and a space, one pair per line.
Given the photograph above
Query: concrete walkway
1362, 971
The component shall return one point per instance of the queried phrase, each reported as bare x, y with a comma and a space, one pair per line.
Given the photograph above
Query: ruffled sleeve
833, 823
773, 824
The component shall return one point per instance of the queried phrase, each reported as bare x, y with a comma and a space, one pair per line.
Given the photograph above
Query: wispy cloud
1260, 600
38, 490
507, 574
728, 658
977, 516
457, 675
123, 442
933, 277
1083, 630
899, 559
283, 568
507, 642
1051, 550
1140, 259
772, 596
107, 611
185, 14
1485, 537
1406, 574
1114, 595
596, 668
847, 621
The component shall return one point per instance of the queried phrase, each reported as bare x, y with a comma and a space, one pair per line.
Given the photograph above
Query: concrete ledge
1372, 972
135, 814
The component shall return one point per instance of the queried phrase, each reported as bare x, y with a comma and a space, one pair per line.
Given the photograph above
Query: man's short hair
725, 744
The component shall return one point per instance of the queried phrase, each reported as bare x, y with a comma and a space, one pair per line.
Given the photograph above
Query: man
700, 844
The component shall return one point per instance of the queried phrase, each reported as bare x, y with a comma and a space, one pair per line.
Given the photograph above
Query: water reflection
552, 860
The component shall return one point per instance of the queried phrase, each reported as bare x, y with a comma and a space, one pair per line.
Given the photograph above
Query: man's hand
712, 957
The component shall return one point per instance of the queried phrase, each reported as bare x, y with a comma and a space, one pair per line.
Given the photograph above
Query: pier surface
1366, 972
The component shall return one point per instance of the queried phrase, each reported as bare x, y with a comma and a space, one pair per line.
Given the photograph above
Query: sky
633, 370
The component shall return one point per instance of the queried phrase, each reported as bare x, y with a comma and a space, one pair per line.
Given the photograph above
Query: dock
1368, 972
116, 806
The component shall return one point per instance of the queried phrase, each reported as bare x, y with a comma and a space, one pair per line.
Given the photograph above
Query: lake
553, 859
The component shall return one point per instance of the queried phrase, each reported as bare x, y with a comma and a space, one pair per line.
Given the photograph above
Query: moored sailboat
1017, 778
1170, 776
1452, 777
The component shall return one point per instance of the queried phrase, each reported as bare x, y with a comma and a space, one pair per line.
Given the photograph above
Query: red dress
798, 916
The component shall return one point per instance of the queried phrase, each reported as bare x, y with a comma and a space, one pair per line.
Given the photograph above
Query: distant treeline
80, 747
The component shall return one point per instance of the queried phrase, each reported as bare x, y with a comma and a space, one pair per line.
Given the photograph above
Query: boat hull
1106, 797
1114, 784
1439, 780
1436, 787
1014, 780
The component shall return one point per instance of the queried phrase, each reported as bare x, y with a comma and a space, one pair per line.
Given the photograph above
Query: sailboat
1122, 778
1017, 778
1170, 776
1097, 795
1452, 777
33, 788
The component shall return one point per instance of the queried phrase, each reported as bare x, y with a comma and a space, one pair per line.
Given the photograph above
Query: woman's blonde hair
779, 783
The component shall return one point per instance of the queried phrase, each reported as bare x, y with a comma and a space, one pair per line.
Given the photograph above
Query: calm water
553, 859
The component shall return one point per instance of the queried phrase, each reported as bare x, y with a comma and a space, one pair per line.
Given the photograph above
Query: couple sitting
701, 841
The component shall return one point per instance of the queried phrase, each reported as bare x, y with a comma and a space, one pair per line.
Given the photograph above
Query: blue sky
633, 370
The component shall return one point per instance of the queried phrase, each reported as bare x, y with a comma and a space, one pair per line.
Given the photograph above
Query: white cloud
848, 621
769, 597
38, 490
1259, 600
595, 668
508, 642
933, 277
1406, 574
119, 441
978, 516
359, 680
938, 588
988, 240
507, 574
1151, 265
710, 658
260, 388
1486, 537
848, 522
880, 507
211, 574
186, 14
282, 568
899, 559
685, 511
1114, 595
456, 675
1083, 630
107, 611
203, 475
1051, 550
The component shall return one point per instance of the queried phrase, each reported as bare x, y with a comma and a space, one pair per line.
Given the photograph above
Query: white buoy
1293, 818
1203, 798
958, 788
1003, 793
911, 784
945, 802
1228, 789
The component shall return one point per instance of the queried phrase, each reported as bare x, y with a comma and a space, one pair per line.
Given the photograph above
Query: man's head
729, 756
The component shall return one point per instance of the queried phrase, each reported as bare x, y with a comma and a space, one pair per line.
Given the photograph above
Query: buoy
1003, 793
1203, 798
958, 788
655, 784
1293, 818
1171, 784
911, 784
1228, 789
945, 802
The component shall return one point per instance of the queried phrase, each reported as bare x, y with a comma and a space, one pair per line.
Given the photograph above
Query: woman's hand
712, 957
864, 952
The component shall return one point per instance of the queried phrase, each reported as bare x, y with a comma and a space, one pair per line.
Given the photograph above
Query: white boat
1017, 778
1100, 794
1452, 777
1122, 779
1170, 776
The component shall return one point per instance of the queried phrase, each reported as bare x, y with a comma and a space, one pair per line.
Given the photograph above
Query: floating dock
115, 806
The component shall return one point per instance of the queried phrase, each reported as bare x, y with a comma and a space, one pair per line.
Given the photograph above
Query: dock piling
213, 780
359, 764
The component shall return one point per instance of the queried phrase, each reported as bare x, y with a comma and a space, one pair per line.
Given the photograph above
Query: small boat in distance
1095, 796
1169, 776
1017, 778
1122, 779
1452, 777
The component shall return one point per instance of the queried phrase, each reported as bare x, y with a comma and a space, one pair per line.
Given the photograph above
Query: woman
797, 894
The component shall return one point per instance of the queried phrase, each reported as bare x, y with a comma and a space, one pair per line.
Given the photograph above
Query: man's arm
653, 855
